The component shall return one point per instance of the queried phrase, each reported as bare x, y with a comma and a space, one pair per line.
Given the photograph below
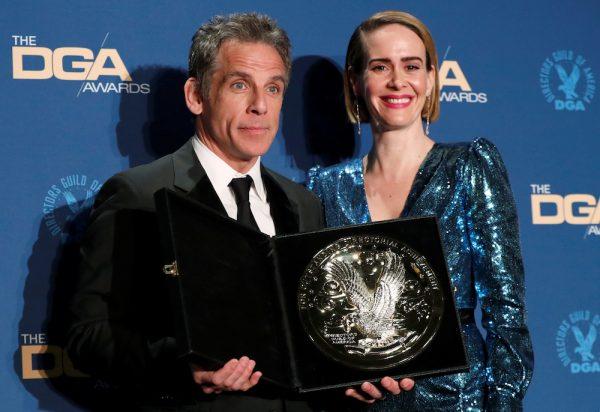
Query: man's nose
258, 103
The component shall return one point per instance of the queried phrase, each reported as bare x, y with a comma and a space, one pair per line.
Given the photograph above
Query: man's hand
235, 375
369, 393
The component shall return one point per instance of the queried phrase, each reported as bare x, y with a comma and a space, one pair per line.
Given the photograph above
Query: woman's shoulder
476, 151
482, 152
477, 145
320, 174
460, 161
475, 162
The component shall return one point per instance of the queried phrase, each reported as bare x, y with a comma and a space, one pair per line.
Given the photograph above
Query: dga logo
39, 360
67, 204
567, 81
574, 209
576, 342
452, 75
32, 62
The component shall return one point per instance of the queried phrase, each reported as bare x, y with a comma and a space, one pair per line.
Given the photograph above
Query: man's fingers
245, 375
254, 378
203, 377
233, 376
391, 385
236, 373
208, 389
200, 375
371, 390
407, 384
223, 373
353, 393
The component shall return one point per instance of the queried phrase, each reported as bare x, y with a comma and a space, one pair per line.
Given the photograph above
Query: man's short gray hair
242, 27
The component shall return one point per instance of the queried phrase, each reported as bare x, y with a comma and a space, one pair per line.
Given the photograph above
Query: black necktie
241, 190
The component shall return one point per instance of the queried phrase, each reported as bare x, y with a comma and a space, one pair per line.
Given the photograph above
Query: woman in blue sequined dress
390, 81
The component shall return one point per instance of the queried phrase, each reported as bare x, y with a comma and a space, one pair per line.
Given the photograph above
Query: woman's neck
397, 151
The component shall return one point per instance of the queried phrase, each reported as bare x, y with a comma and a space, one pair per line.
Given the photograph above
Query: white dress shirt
220, 174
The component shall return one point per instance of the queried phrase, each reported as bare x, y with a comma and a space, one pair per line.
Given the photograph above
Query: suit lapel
284, 209
190, 177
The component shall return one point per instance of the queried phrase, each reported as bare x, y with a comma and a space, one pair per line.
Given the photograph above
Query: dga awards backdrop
92, 88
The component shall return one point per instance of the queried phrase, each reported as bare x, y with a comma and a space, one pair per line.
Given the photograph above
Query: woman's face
395, 82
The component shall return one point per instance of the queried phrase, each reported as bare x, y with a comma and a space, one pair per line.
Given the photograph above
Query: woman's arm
499, 278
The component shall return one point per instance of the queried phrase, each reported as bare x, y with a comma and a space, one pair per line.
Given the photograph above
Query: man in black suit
239, 67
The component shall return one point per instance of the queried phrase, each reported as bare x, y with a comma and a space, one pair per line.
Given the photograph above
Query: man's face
240, 116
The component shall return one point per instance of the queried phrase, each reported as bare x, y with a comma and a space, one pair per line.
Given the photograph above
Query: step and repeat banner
91, 88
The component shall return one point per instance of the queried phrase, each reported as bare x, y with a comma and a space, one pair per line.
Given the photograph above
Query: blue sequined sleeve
312, 181
499, 278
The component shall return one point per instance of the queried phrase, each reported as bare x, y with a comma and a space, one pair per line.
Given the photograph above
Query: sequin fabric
466, 186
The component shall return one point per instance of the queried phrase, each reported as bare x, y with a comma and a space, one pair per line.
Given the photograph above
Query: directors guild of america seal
370, 302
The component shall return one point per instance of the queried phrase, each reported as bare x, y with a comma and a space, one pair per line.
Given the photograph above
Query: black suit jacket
121, 327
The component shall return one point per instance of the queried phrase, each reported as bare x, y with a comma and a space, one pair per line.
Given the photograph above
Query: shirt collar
220, 173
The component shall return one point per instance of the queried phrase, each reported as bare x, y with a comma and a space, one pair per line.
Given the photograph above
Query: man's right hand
235, 375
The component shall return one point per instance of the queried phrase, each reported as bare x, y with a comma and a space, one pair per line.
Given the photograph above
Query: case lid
222, 288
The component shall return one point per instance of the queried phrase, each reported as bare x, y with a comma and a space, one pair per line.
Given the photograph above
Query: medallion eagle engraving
375, 308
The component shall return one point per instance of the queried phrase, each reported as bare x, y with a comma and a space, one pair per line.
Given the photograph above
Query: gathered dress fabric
466, 186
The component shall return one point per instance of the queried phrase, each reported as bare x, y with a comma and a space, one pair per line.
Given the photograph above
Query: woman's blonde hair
356, 57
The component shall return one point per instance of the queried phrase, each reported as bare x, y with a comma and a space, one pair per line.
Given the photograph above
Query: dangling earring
428, 104
358, 118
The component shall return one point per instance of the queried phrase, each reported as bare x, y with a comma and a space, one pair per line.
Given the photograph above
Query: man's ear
193, 96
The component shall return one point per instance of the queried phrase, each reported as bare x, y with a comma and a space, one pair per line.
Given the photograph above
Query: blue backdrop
94, 88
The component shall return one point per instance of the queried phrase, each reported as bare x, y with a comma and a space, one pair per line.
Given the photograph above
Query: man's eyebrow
387, 60
245, 75
279, 78
236, 74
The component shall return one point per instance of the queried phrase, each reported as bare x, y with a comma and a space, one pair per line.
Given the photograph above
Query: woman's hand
369, 393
